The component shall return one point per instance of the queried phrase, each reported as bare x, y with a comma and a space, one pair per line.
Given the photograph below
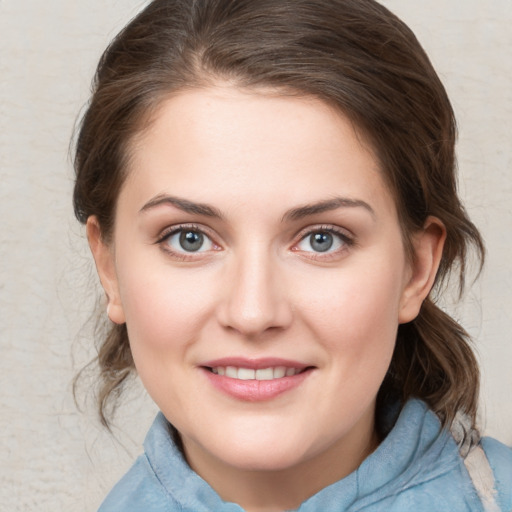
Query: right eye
188, 241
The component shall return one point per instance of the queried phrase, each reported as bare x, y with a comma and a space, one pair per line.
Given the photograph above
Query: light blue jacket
417, 468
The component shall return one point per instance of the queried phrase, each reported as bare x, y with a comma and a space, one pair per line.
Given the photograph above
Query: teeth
261, 374
232, 372
280, 372
246, 374
264, 374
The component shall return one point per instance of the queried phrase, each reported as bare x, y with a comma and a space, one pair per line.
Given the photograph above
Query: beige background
52, 458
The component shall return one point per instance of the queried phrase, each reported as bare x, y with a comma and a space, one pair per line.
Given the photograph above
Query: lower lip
255, 390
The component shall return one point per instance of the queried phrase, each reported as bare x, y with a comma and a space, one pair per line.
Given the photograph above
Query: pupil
321, 242
191, 240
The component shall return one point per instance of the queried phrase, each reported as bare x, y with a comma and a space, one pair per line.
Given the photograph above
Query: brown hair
353, 54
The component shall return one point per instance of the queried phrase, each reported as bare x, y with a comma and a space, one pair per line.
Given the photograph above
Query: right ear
105, 266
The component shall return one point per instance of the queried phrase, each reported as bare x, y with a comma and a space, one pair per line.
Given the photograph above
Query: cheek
356, 324
163, 307
357, 295
163, 313
355, 310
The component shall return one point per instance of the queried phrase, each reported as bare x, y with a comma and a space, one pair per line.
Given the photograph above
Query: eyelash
184, 256
346, 239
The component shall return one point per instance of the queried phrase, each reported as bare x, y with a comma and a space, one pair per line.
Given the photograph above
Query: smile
270, 373
255, 380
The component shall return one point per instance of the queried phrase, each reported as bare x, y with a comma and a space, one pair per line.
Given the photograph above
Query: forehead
223, 143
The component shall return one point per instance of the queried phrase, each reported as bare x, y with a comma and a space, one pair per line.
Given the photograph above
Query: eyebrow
294, 214
325, 206
184, 205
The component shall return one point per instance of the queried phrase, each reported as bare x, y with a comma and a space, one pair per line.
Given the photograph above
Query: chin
262, 451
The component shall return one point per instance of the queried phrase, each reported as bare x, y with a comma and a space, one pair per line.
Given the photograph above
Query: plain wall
54, 458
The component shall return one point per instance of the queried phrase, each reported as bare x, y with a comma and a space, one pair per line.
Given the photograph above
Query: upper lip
255, 364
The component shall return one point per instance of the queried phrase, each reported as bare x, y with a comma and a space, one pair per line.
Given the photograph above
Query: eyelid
346, 236
176, 228
171, 230
344, 233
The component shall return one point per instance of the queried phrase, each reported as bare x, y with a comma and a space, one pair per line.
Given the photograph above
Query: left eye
321, 241
189, 240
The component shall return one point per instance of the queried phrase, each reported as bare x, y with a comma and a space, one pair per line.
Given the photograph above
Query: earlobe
105, 266
428, 250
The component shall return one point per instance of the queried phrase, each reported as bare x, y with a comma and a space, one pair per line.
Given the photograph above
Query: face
258, 263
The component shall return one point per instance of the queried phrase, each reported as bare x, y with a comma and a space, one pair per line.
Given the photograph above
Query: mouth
256, 380
270, 373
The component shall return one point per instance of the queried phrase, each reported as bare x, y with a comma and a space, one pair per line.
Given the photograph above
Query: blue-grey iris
191, 241
321, 242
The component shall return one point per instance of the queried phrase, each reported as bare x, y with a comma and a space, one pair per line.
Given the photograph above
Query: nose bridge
255, 301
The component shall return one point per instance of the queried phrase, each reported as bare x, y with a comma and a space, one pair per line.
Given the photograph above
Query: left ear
427, 252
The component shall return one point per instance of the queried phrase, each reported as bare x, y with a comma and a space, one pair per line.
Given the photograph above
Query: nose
255, 298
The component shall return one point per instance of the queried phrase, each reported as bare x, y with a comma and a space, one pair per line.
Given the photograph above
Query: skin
258, 288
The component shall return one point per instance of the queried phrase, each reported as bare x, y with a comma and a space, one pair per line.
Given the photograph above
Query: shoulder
162, 481
139, 489
500, 460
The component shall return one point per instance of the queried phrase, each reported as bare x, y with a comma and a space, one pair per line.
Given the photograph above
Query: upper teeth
261, 374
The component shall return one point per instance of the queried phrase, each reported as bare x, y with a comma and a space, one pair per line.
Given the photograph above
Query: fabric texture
417, 467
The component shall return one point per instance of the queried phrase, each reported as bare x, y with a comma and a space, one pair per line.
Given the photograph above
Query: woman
270, 197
